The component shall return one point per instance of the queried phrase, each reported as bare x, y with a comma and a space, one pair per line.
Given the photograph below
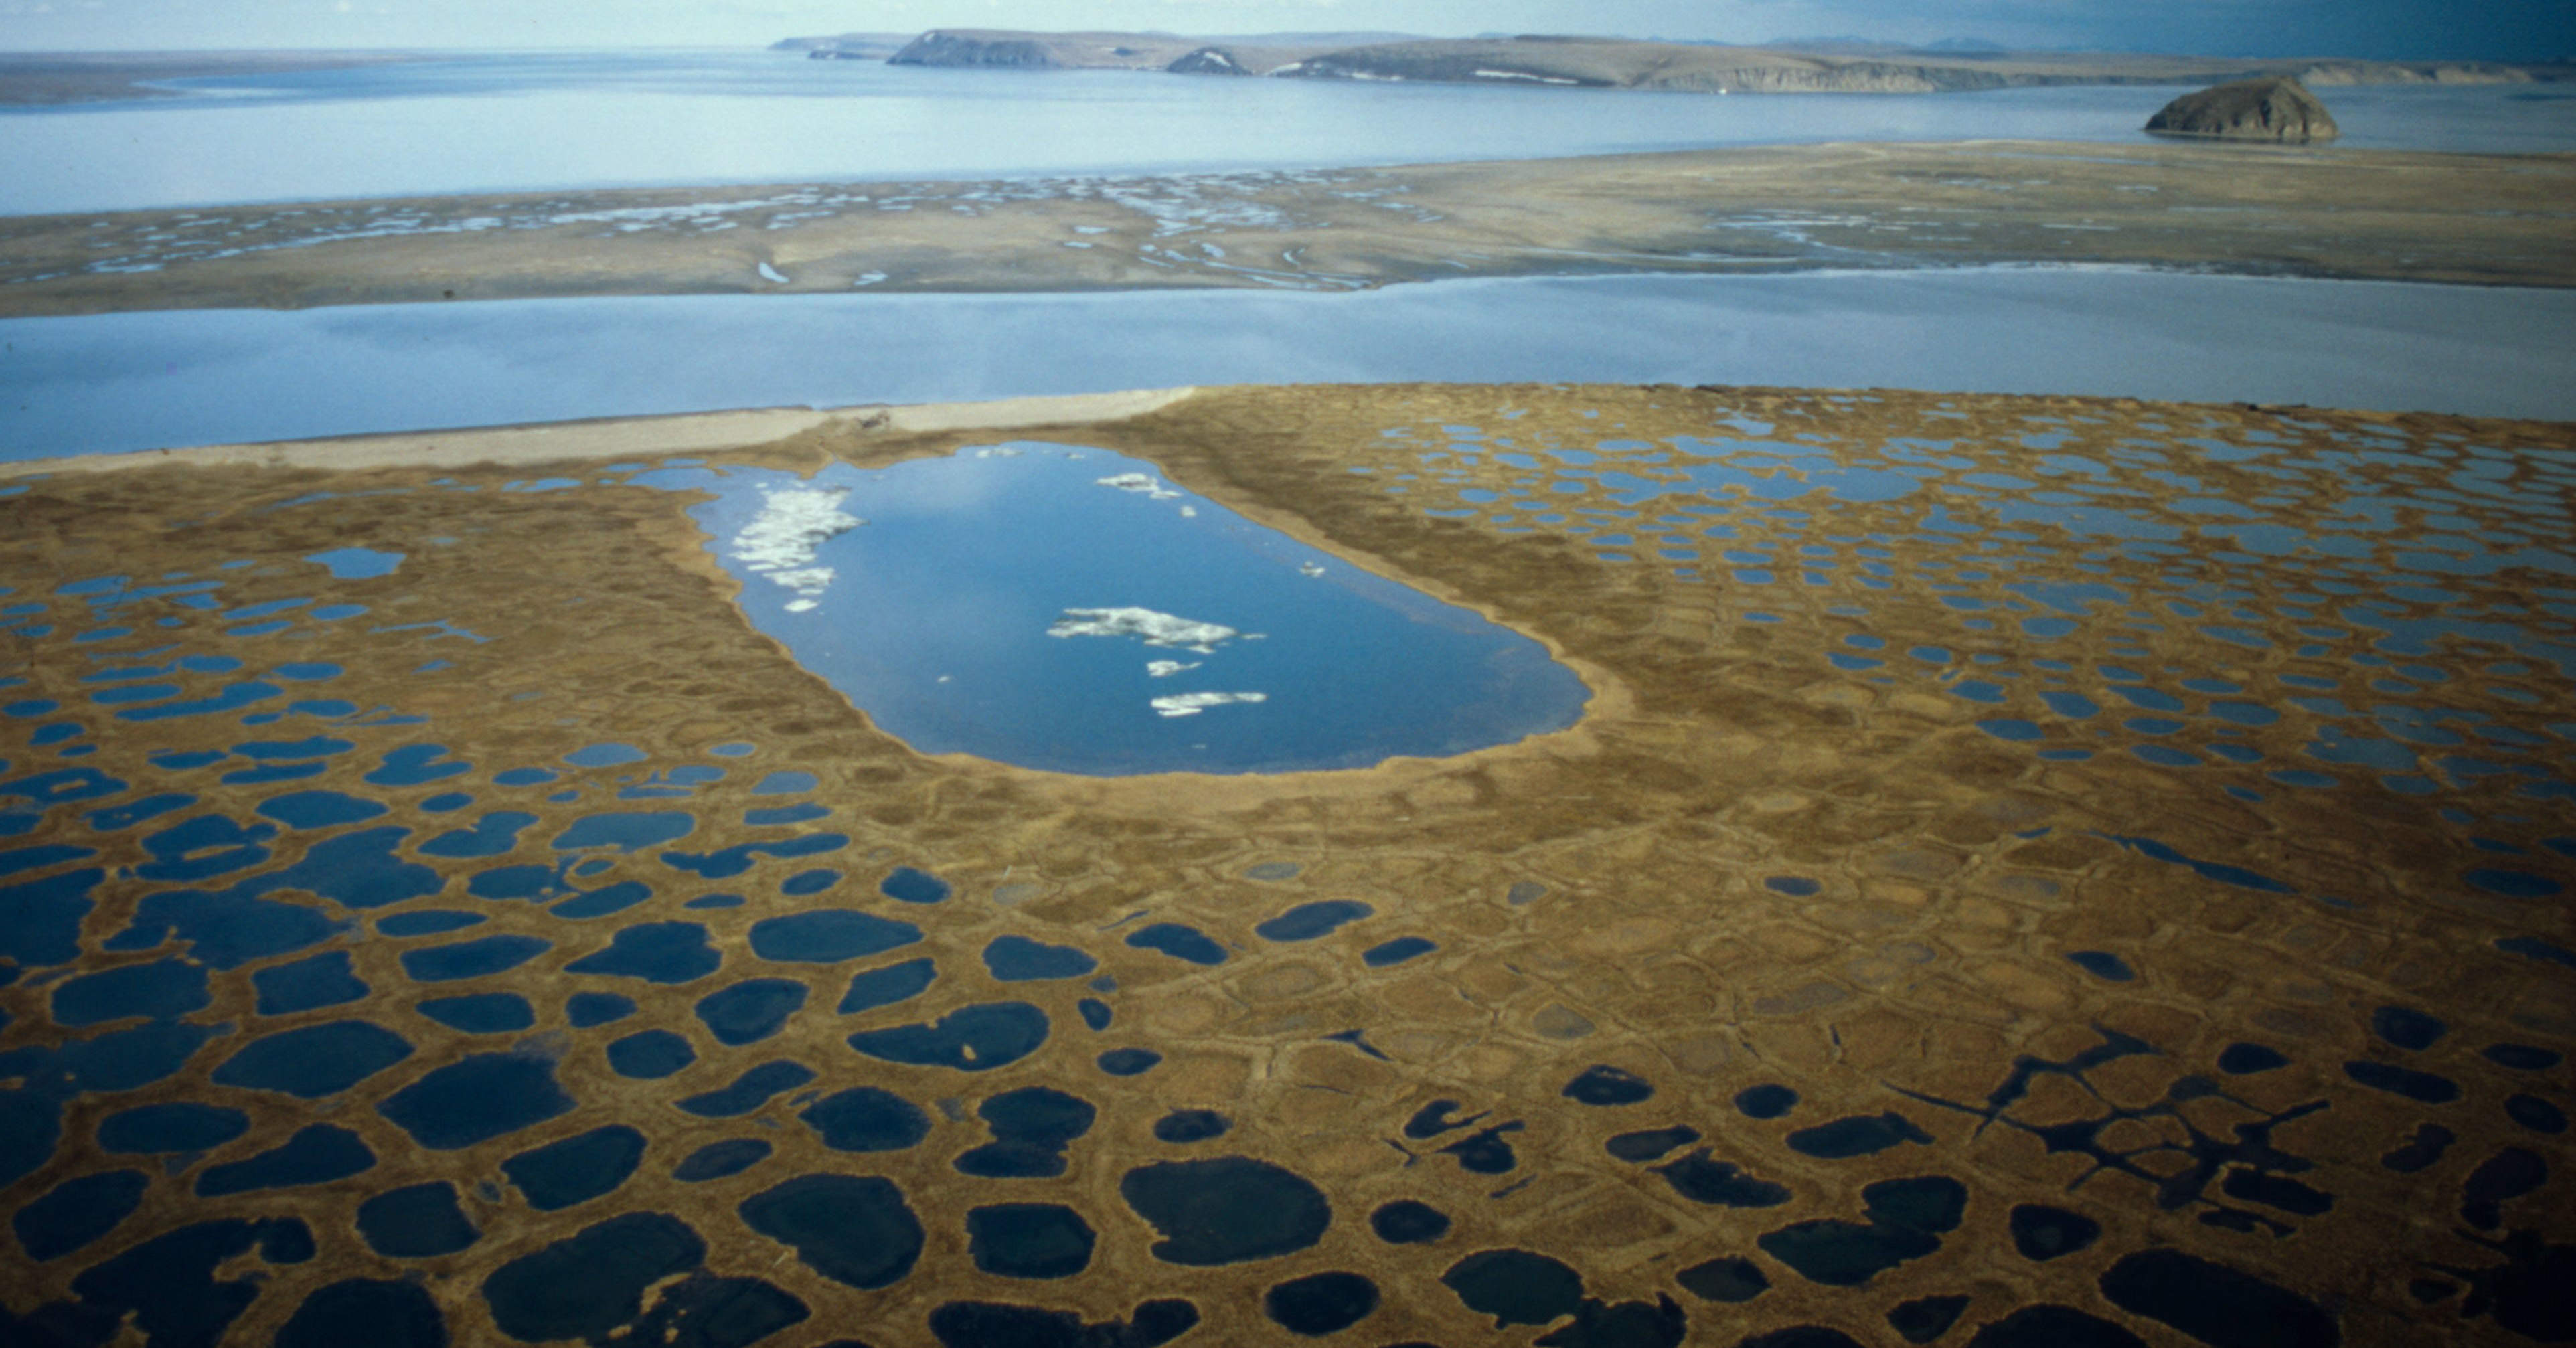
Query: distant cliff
1042, 51
1608, 63
1614, 63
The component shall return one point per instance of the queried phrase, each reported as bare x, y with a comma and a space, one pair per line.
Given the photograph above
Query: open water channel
490, 122
125, 382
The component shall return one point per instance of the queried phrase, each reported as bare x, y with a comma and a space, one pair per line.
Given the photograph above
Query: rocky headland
2279, 110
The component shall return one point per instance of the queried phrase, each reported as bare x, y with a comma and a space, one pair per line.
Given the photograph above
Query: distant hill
1256, 55
1548, 60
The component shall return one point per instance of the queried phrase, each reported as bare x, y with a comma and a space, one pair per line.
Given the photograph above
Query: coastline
2311, 212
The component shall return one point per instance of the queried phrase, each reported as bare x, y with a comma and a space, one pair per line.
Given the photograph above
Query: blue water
553, 121
112, 383
949, 617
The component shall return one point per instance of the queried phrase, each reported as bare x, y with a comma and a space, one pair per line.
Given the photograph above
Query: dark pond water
1068, 609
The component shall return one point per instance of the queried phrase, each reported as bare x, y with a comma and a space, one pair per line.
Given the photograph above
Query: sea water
538, 122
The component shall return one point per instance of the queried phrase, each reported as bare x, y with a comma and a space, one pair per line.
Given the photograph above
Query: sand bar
2387, 215
620, 437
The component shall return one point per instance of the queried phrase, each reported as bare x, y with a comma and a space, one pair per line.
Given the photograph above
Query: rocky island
2269, 109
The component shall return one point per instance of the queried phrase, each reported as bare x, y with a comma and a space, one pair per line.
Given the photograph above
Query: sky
2525, 30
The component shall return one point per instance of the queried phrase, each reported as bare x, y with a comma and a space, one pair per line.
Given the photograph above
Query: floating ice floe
780, 542
1309, 569
1154, 629
1147, 483
1191, 704
1164, 669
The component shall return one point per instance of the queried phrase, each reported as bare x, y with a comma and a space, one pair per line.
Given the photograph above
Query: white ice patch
772, 275
780, 542
1191, 704
1164, 669
1154, 629
1147, 483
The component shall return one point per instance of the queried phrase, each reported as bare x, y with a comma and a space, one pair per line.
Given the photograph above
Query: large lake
1067, 609
123, 382
559, 121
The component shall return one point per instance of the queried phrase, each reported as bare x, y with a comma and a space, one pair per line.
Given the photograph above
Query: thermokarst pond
1068, 609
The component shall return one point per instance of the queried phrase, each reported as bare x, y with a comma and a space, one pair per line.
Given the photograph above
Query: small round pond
1069, 609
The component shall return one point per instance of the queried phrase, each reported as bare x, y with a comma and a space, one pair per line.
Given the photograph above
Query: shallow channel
114, 383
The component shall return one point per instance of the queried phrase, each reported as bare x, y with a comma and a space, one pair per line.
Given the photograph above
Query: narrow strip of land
2475, 219
42, 79
623, 437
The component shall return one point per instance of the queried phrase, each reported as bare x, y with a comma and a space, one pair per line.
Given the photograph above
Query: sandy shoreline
2356, 214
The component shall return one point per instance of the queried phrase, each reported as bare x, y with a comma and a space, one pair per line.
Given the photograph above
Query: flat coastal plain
2365, 214
41, 79
2035, 871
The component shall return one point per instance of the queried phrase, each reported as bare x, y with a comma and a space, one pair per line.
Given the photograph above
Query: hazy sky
2503, 29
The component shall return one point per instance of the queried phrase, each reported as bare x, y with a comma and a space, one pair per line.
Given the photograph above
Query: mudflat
2385, 215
